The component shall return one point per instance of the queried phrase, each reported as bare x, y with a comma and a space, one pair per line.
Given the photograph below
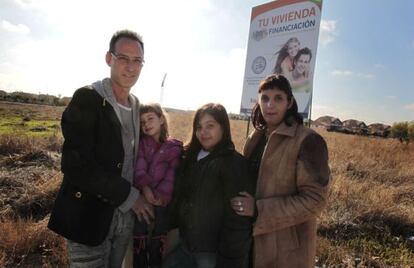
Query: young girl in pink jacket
158, 158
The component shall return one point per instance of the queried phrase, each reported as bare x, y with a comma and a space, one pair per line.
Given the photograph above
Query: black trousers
160, 224
148, 251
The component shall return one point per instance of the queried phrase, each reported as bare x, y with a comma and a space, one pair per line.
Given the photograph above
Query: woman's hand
244, 204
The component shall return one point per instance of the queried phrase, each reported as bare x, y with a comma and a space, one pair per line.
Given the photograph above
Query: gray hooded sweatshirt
104, 89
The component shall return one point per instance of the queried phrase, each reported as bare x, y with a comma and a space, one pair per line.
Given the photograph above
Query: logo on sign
258, 65
260, 35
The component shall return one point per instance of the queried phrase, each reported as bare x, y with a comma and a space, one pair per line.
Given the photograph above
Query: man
300, 79
94, 209
301, 64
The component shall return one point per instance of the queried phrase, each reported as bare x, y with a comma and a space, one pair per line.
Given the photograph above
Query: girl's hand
149, 195
243, 205
158, 202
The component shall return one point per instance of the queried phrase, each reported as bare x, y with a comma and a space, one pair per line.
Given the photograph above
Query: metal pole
310, 110
248, 126
162, 89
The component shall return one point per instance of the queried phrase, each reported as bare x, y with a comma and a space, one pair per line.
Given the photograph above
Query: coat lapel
274, 151
252, 142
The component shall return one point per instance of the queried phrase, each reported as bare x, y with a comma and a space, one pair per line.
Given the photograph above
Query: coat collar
286, 130
256, 135
223, 148
148, 141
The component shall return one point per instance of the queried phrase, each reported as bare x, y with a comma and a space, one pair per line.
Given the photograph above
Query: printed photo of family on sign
294, 62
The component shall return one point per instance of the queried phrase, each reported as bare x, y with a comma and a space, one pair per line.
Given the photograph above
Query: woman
211, 173
291, 165
284, 62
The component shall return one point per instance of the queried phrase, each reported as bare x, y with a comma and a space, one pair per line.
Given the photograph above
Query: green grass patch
37, 128
368, 242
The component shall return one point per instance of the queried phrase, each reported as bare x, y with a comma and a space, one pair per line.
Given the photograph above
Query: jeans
111, 252
181, 257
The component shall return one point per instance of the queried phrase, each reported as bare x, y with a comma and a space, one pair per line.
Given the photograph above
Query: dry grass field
369, 221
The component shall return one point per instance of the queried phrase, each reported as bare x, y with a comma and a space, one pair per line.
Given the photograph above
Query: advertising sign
283, 39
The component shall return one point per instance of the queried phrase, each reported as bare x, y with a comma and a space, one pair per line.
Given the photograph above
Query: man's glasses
125, 60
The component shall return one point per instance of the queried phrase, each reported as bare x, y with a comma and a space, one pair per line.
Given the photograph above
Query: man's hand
143, 209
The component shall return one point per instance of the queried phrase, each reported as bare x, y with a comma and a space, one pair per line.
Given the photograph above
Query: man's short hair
303, 51
125, 34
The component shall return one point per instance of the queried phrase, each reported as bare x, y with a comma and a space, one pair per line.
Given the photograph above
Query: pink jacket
156, 165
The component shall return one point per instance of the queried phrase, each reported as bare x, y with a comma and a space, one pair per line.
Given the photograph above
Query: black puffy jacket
201, 205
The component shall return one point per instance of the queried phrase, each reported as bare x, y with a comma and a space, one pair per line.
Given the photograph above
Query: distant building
355, 127
3, 94
379, 130
330, 123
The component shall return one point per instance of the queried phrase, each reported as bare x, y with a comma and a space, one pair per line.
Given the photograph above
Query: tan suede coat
291, 192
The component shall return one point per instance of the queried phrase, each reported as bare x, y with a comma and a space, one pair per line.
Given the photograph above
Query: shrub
400, 131
411, 131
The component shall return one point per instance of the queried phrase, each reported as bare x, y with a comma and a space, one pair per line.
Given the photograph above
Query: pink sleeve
165, 187
141, 177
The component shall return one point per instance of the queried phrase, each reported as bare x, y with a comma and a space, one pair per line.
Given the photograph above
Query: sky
364, 62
